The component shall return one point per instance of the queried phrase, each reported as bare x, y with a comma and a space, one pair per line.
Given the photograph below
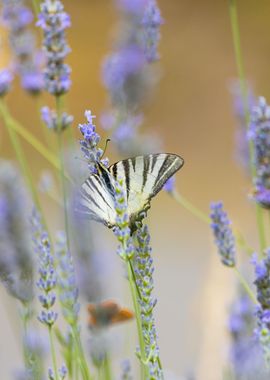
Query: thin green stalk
206, 219
190, 207
80, 355
53, 353
244, 92
107, 368
246, 286
61, 159
22, 162
36, 7
134, 295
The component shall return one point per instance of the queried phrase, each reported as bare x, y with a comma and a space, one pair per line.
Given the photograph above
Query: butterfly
107, 313
143, 177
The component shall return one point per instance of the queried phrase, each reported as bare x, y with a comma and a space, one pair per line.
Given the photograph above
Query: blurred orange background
191, 110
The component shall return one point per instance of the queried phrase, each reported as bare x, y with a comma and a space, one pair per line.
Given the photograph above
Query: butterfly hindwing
97, 199
144, 177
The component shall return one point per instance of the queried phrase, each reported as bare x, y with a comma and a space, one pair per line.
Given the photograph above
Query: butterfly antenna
105, 148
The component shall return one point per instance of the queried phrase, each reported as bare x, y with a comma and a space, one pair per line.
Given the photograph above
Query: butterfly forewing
144, 177
97, 200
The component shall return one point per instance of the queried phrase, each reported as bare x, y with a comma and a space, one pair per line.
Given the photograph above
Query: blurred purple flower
262, 283
260, 135
245, 355
51, 120
17, 18
170, 185
151, 23
53, 21
126, 73
68, 291
16, 261
6, 79
224, 238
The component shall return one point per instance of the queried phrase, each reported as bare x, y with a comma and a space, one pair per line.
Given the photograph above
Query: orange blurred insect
107, 313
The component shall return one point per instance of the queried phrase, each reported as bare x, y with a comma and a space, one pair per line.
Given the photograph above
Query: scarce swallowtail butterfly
143, 177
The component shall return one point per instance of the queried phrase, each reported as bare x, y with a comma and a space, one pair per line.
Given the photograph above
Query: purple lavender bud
6, 79
53, 21
132, 6
260, 134
16, 261
151, 35
89, 143
47, 275
54, 122
170, 185
143, 266
224, 238
68, 291
262, 281
17, 18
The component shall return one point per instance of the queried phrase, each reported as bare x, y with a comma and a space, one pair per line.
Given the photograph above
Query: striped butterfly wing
144, 177
97, 198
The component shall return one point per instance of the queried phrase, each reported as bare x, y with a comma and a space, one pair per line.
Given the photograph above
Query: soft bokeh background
192, 112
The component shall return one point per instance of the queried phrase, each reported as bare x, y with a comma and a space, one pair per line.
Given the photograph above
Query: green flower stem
244, 93
134, 295
190, 207
80, 354
246, 286
53, 353
61, 159
22, 161
107, 368
31, 139
36, 6
206, 219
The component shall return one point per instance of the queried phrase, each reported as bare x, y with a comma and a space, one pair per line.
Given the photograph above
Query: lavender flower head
260, 135
245, 355
54, 21
262, 283
17, 18
122, 230
51, 120
151, 23
89, 144
6, 79
68, 291
16, 262
143, 264
224, 238
126, 73
47, 276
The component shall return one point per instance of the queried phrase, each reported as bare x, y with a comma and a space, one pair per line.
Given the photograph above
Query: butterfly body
143, 177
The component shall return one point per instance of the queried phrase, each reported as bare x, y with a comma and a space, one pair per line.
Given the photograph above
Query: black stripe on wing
172, 163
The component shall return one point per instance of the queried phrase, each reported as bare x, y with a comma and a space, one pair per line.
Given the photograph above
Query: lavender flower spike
143, 264
17, 17
89, 143
224, 238
53, 20
151, 35
16, 261
122, 230
47, 275
260, 134
262, 283
68, 291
